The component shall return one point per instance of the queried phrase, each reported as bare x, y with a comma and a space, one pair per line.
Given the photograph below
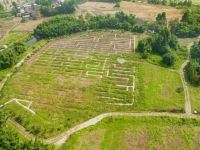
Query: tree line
193, 68
189, 26
160, 41
173, 3
65, 25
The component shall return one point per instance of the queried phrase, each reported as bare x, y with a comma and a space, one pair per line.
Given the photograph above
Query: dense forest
193, 68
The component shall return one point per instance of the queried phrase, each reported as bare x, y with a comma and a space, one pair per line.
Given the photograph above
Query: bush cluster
189, 26
193, 68
8, 57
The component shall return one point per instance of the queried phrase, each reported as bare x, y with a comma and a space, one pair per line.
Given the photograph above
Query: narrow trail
188, 107
6, 34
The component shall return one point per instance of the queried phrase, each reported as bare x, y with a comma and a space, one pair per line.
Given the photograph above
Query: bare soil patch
96, 8
137, 141
148, 12
29, 26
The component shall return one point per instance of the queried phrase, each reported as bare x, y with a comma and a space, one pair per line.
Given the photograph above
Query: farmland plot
76, 78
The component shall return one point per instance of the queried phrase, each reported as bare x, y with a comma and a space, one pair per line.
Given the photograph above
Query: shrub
169, 58
7, 58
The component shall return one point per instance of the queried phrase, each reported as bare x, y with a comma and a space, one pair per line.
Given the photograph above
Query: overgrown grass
137, 133
158, 89
14, 37
195, 98
64, 96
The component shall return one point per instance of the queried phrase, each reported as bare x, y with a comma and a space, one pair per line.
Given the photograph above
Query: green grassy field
67, 87
195, 98
13, 37
196, 2
138, 133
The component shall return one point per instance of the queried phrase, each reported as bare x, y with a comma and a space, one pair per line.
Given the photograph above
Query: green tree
19, 48
161, 18
144, 46
169, 58
193, 72
15, 9
186, 16
195, 51
1, 7
7, 58
67, 7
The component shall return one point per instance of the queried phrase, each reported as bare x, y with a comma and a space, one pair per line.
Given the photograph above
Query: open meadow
73, 79
137, 133
195, 98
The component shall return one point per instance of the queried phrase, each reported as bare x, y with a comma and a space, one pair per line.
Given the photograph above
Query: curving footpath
188, 109
60, 139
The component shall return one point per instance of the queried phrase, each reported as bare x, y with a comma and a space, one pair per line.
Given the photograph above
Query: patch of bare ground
92, 140
172, 138
96, 8
29, 26
148, 12
137, 141
186, 41
7, 25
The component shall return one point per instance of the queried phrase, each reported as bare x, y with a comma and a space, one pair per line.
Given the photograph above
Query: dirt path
188, 108
6, 34
60, 139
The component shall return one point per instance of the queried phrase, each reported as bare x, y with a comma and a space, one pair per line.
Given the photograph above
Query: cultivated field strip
94, 42
76, 58
117, 81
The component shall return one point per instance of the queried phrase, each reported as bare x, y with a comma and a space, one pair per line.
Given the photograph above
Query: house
29, 11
